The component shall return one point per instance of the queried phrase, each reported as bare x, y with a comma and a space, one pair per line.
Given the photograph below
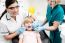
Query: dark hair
9, 2
3, 14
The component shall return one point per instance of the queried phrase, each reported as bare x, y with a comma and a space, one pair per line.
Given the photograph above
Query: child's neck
29, 30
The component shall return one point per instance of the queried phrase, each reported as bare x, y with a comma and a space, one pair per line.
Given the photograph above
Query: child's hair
28, 19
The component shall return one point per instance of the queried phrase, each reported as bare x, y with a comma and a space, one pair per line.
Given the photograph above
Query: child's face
28, 26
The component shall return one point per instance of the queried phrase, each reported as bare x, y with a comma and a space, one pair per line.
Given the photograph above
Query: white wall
2, 6
39, 6
63, 2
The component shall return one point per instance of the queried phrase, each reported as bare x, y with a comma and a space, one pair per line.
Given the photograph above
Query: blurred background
37, 8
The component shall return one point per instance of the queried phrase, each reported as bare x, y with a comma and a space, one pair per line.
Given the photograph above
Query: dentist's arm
49, 28
12, 35
39, 23
54, 27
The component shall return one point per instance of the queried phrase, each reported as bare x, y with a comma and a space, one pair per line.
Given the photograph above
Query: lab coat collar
8, 16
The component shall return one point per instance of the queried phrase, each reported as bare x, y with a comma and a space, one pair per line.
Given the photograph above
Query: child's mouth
29, 26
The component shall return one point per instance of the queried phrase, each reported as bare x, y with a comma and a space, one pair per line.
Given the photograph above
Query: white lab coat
3, 31
11, 24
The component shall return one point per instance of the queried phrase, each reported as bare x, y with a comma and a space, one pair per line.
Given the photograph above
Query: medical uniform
3, 31
11, 24
55, 14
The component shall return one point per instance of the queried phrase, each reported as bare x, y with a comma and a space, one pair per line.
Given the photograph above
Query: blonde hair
57, 1
28, 19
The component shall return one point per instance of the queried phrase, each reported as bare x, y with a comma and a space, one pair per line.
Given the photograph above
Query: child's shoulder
37, 34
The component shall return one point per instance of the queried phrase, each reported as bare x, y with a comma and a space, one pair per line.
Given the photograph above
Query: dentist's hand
20, 30
36, 24
38, 29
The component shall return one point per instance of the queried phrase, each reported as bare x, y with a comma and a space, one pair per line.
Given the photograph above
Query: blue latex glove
20, 30
36, 24
38, 29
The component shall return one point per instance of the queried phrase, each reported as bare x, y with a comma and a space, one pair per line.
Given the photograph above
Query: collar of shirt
12, 25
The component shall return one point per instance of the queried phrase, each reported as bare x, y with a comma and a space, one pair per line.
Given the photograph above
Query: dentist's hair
7, 4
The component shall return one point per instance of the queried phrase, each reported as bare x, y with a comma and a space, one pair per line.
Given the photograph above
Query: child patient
29, 36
